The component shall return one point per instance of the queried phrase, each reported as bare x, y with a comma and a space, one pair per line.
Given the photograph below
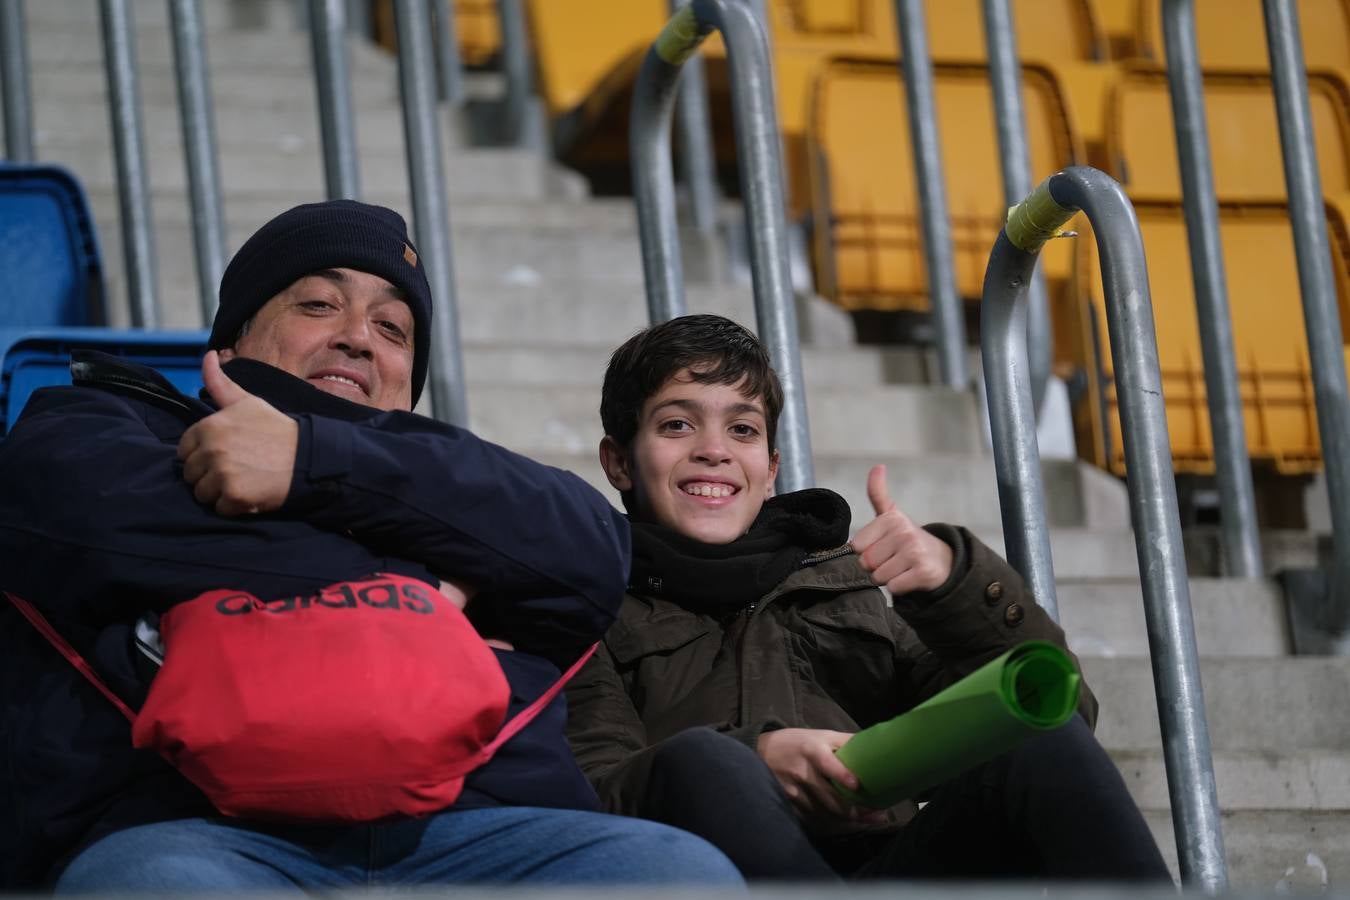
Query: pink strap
70, 653
526, 715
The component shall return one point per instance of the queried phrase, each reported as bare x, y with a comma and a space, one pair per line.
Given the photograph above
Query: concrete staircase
550, 281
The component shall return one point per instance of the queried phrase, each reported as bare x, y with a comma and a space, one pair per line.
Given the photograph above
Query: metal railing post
417, 81
1233, 471
328, 35
761, 176
948, 316
693, 126
1317, 284
1148, 456
519, 73
1005, 77
18, 96
199, 149
448, 64
133, 186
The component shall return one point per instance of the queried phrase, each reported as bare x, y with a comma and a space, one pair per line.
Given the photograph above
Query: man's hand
241, 458
803, 761
898, 554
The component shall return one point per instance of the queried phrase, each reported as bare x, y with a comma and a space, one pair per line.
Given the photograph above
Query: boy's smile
699, 463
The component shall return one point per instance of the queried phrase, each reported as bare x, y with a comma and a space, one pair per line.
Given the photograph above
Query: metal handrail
426, 186
1317, 284
1005, 78
17, 93
332, 82
133, 184
693, 128
760, 165
199, 150
948, 316
1233, 470
1148, 455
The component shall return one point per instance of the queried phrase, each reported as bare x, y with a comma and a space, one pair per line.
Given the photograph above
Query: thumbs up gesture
899, 555
240, 459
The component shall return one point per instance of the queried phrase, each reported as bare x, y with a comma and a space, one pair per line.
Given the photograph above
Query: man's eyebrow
341, 278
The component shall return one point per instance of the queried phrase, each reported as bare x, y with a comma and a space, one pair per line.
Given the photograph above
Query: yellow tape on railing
1036, 220
680, 38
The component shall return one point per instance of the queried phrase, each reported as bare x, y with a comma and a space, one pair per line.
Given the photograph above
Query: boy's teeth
708, 490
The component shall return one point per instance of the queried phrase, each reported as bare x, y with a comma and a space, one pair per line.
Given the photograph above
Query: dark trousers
1055, 807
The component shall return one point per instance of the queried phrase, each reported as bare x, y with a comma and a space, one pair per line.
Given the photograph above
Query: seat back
36, 358
50, 269
868, 241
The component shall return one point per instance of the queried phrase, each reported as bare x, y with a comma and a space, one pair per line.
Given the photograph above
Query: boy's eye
675, 425
743, 430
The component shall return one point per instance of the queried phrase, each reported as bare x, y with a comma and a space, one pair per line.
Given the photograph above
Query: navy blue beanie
335, 234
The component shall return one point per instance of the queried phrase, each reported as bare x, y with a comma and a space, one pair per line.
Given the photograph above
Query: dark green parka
822, 649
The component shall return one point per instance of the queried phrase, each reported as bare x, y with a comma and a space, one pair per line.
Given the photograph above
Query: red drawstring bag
369, 699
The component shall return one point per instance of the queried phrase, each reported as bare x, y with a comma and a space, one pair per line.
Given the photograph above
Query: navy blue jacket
98, 527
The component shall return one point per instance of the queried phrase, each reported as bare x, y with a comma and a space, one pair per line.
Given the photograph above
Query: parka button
993, 593
1013, 615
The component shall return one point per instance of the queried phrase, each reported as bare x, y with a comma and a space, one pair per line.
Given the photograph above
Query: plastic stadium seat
868, 244
1231, 34
1243, 135
477, 29
1269, 336
35, 358
50, 269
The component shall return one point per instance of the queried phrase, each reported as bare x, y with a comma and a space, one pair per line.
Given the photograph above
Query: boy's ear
773, 474
614, 461
227, 354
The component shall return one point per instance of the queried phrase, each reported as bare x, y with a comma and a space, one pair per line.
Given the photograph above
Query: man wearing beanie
299, 472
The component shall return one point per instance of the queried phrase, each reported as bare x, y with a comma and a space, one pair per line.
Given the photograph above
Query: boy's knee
701, 755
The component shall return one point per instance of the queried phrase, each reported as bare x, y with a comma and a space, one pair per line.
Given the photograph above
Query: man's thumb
877, 492
222, 390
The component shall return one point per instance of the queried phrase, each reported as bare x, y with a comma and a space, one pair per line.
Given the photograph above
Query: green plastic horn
1031, 688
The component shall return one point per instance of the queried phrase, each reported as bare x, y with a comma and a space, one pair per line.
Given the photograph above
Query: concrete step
278, 15
1233, 617
1271, 705
1313, 780
1277, 851
915, 421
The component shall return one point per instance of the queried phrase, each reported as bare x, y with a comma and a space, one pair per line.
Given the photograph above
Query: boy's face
699, 463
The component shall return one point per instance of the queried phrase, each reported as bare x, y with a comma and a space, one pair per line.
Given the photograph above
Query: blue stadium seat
50, 269
31, 358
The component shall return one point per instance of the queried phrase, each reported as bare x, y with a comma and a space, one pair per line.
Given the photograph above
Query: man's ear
773, 474
614, 461
226, 354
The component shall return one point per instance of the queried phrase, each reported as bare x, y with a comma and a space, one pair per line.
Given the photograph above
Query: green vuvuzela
1031, 688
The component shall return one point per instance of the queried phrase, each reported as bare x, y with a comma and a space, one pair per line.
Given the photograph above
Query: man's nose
353, 336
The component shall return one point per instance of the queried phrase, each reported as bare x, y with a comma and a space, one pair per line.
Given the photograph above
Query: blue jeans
498, 845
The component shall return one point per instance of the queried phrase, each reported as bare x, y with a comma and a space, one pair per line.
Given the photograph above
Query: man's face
699, 464
346, 332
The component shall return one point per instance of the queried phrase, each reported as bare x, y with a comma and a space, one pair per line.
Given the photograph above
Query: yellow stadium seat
1270, 341
1243, 135
1118, 20
476, 27
867, 242
1231, 35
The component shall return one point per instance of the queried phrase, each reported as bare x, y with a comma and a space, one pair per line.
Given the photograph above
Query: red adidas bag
369, 699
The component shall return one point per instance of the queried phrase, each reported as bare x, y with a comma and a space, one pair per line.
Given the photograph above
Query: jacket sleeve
606, 733
529, 538
96, 521
982, 612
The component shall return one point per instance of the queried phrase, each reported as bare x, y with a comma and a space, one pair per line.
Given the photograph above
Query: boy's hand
240, 458
803, 761
898, 554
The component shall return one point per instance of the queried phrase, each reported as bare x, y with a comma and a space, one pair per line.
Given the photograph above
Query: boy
755, 640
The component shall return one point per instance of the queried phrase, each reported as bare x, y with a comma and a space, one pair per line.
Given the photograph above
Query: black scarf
722, 578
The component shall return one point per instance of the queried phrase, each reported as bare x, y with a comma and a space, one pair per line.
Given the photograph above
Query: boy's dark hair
714, 349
